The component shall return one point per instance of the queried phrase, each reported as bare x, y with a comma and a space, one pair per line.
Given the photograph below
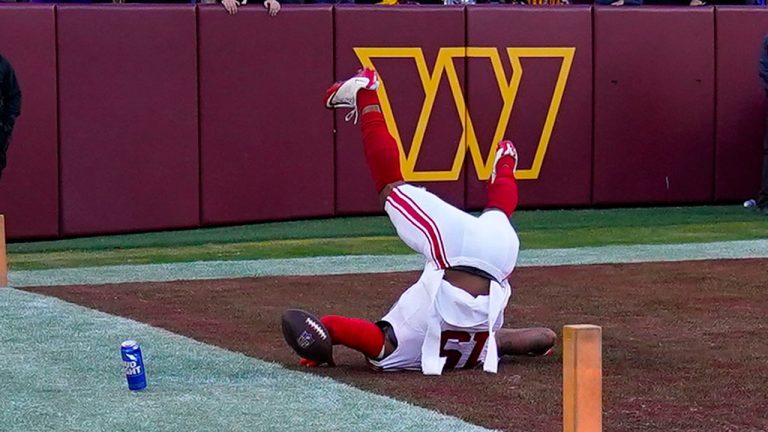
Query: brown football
307, 335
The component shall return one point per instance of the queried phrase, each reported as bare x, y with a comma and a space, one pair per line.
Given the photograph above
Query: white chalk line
313, 266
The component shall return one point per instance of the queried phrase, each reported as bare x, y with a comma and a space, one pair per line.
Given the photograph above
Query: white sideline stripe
61, 372
201, 270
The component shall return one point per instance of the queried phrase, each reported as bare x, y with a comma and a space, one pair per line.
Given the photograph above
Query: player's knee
384, 193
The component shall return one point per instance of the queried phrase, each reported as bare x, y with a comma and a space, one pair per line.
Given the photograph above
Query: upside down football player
452, 316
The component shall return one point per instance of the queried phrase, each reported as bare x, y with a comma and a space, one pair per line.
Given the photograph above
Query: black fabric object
762, 199
473, 271
10, 107
763, 70
10, 96
389, 333
5, 141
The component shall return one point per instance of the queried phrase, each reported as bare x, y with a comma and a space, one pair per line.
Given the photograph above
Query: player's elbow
549, 337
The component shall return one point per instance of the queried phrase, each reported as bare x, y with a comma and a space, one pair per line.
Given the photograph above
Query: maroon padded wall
132, 156
266, 139
128, 112
740, 108
425, 27
654, 92
29, 191
565, 175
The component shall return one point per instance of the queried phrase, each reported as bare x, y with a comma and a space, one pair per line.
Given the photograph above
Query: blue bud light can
133, 365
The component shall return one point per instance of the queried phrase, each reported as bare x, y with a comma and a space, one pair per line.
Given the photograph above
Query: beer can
133, 365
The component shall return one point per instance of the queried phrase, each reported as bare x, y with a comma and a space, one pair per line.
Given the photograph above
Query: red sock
502, 194
381, 151
358, 334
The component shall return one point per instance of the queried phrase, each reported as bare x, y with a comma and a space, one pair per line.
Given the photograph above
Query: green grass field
374, 235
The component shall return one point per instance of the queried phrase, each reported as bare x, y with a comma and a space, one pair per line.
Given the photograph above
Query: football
307, 335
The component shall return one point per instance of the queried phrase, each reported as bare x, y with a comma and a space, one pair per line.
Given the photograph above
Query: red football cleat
343, 94
504, 148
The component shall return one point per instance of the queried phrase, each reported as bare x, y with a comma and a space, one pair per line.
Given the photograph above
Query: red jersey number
461, 348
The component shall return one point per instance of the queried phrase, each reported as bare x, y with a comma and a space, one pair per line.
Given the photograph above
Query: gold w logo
507, 86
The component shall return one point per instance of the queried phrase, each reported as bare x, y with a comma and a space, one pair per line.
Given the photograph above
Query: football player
452, 316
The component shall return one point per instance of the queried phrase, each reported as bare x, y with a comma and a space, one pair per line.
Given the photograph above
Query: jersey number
461, 348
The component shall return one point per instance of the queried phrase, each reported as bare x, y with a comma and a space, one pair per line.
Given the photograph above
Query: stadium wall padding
140, 118
128, 118
420, 32
266, 140
740, 107
654, 80
29, 189
546, 116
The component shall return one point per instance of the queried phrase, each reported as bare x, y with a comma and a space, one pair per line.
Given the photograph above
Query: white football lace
317, 328
351, 114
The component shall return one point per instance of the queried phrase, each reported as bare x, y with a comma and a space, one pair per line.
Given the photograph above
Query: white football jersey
436, 324
463, 330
